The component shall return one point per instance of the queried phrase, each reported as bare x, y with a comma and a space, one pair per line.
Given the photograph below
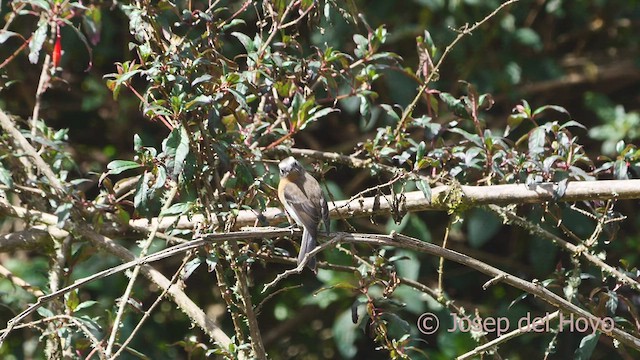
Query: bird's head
290, 168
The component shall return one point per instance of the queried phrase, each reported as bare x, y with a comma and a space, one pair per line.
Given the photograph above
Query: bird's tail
308, 244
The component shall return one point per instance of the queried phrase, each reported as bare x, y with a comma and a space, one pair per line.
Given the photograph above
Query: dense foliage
142, 127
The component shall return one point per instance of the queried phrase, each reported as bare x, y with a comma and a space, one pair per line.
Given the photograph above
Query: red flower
57, 51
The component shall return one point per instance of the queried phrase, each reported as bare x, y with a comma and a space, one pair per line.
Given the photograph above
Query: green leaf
620, 168
140, 198
612, 302
557, 108
137, 143
44, 312
198, 101
391, 112
423, 185
42, 4
190, 267
177, 148
85, 304
72, 300
63, 212
37, 40
586, 347
572, 123
5, 177
422, 147
537, 138
513, 121
529, 37
456, 105
361, 45
178, 209
117, 166
246, 41
201, 79
317, 114
233, 23
467, 135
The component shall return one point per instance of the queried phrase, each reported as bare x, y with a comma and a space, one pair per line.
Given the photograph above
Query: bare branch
29, 239
466, 197
37, 160
578, 250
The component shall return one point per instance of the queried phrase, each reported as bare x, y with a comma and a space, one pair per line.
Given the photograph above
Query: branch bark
442, 198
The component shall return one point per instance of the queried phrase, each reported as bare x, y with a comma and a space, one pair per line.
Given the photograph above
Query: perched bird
304, 201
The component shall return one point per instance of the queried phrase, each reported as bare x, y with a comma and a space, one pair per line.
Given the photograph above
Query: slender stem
466, 30
127, 293
441, 263
147, 313
43, 84
508, 336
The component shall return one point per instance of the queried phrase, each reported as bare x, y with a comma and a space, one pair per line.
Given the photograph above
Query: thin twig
573, 249
508, 336
465, 30
20, 282
145, 247
147, 313
441, 262
43, 84
298, 269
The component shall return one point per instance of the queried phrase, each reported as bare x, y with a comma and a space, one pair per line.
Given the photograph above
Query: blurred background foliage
582, 55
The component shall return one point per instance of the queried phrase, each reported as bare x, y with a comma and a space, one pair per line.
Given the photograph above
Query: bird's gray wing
304, 210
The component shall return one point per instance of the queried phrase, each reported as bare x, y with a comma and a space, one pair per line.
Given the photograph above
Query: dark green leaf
85, 304
467, 135
63, 212
557, 108
44, 312
117, 166
620, 168
37, 40
423, 185
572, 123
586, 347
5, 177
246, 41
537, 138
560, 189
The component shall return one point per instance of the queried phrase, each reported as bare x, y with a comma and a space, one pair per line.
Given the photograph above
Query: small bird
304, 201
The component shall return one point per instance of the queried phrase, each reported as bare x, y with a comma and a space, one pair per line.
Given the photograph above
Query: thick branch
443, 198
29, 239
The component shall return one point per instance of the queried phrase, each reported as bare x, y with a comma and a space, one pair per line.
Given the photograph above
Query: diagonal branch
36, 159
573, 249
